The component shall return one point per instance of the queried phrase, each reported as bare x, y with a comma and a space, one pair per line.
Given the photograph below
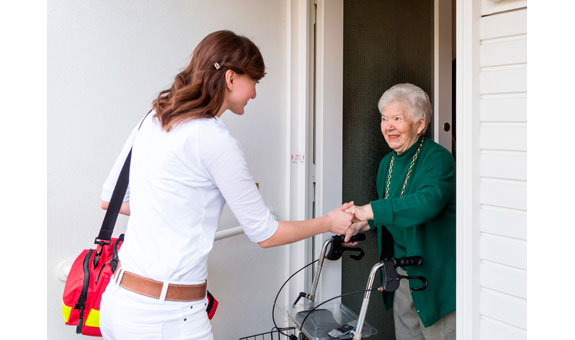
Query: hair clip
217, 66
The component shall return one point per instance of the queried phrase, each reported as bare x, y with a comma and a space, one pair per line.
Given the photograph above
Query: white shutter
497, 6
502, 144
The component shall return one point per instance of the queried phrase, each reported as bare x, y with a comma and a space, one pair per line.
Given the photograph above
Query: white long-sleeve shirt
179, 182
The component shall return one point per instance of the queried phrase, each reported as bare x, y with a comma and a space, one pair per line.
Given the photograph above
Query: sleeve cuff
372, 225
106, 195
268, 232
382, 212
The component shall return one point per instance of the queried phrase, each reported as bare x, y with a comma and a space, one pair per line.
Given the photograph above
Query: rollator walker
334, 320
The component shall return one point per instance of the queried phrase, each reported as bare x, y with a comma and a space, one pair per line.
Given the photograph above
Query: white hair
417, 100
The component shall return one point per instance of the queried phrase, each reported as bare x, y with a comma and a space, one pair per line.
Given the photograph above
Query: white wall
107, 60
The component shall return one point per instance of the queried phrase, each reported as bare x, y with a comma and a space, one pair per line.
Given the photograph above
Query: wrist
367, 212
325, 223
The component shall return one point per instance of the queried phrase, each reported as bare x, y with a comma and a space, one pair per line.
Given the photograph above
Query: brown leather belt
153, 288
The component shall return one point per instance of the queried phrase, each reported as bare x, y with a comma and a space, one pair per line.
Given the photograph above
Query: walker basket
274, 334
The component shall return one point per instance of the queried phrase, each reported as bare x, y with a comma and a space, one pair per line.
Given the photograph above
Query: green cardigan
422, 223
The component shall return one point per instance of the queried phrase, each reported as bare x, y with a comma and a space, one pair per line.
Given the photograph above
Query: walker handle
408, 261
356, 237
337, 249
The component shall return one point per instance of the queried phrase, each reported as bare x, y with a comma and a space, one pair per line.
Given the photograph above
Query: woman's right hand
340, 220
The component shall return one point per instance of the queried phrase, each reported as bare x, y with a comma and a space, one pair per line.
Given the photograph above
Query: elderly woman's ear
421, 126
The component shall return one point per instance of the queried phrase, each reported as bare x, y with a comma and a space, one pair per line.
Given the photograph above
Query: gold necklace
408, 171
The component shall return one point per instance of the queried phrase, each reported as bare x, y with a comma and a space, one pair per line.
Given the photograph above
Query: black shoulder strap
117, 199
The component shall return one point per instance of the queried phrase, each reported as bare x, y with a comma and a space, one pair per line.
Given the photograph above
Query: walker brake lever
356, 257
412, 261
420, 278
337, 249
392, 278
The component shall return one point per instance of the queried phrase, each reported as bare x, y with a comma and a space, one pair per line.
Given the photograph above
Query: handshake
350, 219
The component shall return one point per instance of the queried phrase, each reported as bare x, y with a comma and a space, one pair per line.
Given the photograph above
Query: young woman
185, 165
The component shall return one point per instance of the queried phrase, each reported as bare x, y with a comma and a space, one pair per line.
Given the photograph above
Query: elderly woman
416, 189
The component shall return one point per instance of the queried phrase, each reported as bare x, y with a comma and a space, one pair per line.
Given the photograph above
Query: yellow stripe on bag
66, 311
93, 319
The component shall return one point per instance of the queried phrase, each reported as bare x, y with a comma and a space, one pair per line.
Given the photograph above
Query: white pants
125, 315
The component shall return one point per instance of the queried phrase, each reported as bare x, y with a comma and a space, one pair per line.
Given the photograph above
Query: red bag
85, 284
93, 268
87, 280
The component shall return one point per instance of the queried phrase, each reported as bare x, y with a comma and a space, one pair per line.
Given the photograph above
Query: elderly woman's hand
354, 229
361, 213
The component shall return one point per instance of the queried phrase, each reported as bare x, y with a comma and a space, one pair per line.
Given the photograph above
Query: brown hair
198, 91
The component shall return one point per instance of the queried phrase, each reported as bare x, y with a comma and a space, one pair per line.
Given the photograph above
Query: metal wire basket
271, 335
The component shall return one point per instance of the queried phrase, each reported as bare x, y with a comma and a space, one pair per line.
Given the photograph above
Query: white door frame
328, 75
467, 167
329, 129
442, 70
299, 94
327, 173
